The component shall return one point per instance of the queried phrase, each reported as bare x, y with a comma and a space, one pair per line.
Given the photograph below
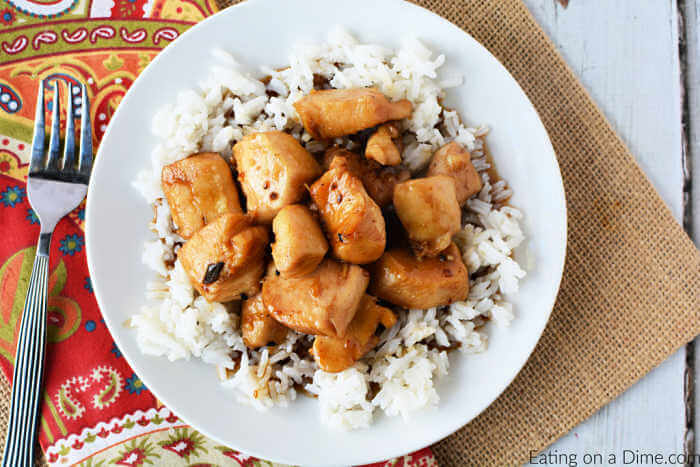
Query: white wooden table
631, 55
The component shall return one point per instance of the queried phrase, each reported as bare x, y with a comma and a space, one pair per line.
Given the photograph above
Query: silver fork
55, 187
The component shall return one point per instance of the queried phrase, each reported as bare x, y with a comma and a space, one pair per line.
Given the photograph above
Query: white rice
398, 376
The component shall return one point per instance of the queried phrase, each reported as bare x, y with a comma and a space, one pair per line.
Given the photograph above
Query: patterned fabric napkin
96, 410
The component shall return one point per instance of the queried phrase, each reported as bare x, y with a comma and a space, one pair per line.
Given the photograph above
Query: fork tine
69, 144
85, 134
55, 141
39, 139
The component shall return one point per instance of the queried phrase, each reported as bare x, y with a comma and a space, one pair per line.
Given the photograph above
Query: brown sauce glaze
494, 176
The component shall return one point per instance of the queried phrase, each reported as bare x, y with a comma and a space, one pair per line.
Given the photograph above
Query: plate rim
447, 429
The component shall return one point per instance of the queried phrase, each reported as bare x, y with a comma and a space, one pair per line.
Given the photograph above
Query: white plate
261, 32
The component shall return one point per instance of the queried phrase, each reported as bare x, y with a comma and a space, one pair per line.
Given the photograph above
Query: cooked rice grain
232, 102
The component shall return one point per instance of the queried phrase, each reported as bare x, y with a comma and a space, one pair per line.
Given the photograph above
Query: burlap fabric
629, 296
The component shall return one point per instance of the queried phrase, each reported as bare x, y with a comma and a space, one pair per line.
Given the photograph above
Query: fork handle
29, 365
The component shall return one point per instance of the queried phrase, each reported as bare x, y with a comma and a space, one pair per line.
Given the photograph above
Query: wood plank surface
626, 54
691, 12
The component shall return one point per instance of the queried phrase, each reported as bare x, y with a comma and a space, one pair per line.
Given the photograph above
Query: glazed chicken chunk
381, 147
402, 279
273, 168
378, 181
336, 354
455, 161
257, 327
225, 258
299, 242
353, 221
429, 211
322, 303
338, 112
199, 189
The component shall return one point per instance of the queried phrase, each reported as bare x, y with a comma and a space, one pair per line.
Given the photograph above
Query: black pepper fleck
380, 329
212, 274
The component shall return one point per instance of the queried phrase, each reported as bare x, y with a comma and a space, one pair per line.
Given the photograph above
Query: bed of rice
397, 377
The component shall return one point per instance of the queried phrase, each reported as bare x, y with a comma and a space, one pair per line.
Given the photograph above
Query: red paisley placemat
95, 408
